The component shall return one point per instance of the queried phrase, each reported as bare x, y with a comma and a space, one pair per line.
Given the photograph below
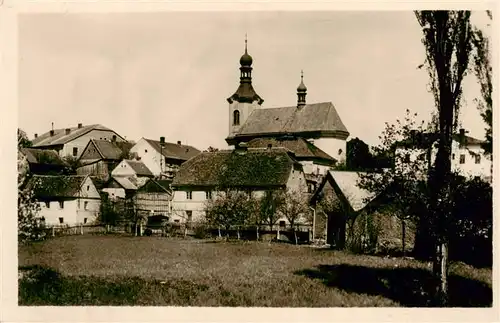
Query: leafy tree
358, 156
404, 186
293, 207
28, 220
22, 139
447, 38
211, 149
229, 208
73, 163
270, 205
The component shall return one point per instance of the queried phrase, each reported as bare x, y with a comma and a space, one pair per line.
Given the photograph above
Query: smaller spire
246, 41
301, 91
246, 60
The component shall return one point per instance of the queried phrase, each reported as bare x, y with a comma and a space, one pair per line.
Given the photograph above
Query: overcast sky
169, 74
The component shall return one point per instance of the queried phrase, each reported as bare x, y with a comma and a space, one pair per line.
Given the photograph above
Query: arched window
236, 118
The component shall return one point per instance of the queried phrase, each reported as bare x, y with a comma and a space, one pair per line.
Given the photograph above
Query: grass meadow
155, 271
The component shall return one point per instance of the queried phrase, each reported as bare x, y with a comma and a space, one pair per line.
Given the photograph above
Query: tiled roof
311, 118
156, 186
139, 168
47, 186
299, 146
42, 156
60, 137
232, 168
175, 151
108, 149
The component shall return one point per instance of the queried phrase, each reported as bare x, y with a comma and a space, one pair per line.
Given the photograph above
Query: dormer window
478, 159
236, 118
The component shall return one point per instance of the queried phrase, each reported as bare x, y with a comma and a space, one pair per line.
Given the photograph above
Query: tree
211, 149
73, 163
22, 139
404, 186
358, 157
270, 204
28, 209
230, 208
293, 207
483, 72
447, 38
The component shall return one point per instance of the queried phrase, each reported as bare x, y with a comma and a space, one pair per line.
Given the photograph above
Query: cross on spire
246, 42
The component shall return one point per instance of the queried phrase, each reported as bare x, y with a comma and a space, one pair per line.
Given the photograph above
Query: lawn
118, 270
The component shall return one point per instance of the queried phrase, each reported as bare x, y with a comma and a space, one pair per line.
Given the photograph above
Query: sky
169, 73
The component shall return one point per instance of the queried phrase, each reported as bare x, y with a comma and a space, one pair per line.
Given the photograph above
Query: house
46, 162
163, 157
65, 199
254, 171
467, 156
318, 123
314, 160
347, 215
152, 200
100, 157
71, 141
131, 168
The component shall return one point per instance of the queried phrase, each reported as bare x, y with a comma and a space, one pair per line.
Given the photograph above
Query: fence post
219, 232
185, 231
81, 229
53, 231
257, 233
238, 232
278, 235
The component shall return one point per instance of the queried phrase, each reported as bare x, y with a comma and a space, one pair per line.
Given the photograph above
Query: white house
318, 123
126, 178
72, 141
254, 171
467, 158
163, 157
66, 199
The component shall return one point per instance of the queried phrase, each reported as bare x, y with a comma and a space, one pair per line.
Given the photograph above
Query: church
313, 131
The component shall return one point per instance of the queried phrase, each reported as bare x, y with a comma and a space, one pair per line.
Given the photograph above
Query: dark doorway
336, 230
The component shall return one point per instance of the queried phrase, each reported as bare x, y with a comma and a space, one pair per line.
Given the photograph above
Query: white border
9, 311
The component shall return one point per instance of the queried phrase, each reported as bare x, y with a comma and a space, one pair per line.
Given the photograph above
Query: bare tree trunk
238, 232
219, 232
295, 235
257, 229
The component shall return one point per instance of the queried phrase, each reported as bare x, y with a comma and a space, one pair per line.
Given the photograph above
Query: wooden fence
299, 235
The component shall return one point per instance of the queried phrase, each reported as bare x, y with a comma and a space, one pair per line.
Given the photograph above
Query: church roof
251, 168
245, 93
317, 118
299, 146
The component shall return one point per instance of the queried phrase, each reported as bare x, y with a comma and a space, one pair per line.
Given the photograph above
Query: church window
340, 151
236, 118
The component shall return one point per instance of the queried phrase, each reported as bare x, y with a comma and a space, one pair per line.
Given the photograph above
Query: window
84, 220
47, 205
114, 137
61, 220
88, 187
176, 220
145, 150
462, 159
236, 118
189, 216
453, 156
189, 195
78, 203
340, 151
478, 159
208, 195
61, 204
310, 188
282, 224
85, 205
75, 151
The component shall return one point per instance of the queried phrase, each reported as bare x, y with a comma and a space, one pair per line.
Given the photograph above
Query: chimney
162, 140
36, 135
68, 130
461, 137
178, 142
80, 126
51, 133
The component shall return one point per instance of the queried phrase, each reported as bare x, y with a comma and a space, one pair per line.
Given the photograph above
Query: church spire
245, 92
301, 92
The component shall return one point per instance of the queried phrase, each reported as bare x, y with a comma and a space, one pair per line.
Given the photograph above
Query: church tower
245, 99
